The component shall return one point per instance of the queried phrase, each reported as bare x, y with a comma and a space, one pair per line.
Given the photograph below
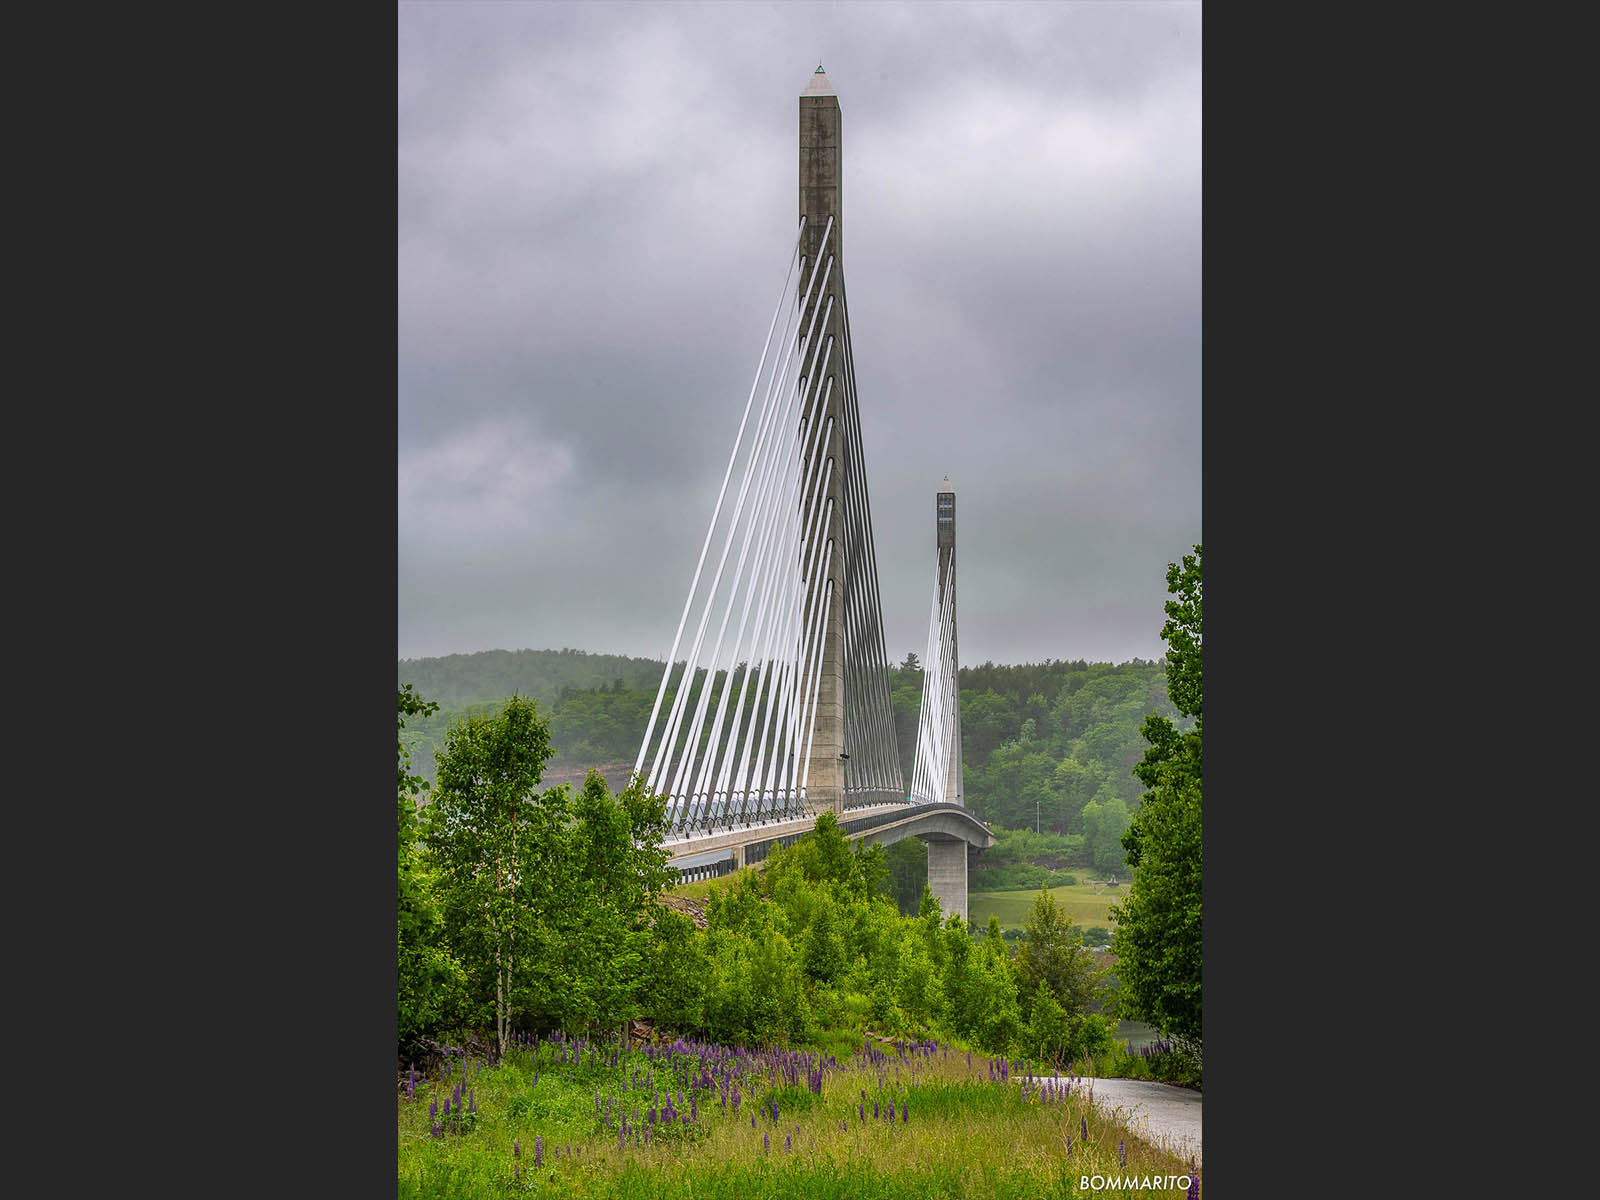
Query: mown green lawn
1081, 902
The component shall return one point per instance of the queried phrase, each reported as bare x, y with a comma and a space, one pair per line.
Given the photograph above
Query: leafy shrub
1019, 877
883, 1005
1091, 1036
1015, 878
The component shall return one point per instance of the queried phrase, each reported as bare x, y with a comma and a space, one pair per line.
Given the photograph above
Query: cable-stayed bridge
778, 709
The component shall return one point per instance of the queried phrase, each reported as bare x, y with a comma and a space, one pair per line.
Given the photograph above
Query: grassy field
1080, 902
549, 1121
1087, 902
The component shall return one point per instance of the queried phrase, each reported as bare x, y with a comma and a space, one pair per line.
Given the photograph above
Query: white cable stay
735, 743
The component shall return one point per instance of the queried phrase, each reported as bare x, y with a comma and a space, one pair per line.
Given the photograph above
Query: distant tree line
1045, 746
457, 681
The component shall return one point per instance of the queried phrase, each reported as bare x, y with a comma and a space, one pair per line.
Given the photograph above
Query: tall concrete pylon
947, 856
945, 538
821, 197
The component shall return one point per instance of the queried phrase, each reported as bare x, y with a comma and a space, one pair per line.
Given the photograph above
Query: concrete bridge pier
947, 872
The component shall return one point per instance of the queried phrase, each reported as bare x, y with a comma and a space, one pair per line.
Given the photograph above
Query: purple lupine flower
1069, 1145
516, 1148
861, 1109
1122, 1154
766, 1142
516, 1173
786, 1143
694, 1109
905, 1111
433, 1109
874, 1110
891, 1112
1194, 1184
538, 1150
1083, 1129
752, 1120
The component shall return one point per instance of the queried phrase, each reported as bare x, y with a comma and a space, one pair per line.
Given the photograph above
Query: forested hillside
459, 680
1051, 744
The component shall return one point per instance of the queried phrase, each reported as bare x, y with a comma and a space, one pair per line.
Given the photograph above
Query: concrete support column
947, 874
945, 543
821, 197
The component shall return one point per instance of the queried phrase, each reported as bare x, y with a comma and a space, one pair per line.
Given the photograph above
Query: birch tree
497, 845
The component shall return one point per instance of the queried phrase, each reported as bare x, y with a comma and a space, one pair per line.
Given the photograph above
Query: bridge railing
755, 852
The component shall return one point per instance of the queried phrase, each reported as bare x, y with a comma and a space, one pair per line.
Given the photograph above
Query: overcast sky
597, 204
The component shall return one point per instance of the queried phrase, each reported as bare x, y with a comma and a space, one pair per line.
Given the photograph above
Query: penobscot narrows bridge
780, 710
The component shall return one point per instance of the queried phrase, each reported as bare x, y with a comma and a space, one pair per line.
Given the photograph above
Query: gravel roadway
1161, 1114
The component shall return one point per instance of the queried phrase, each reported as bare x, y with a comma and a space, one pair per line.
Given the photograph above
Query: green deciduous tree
680, 972
548, 897
980, 992
908, 872
1158, 926
1053, 957
1047, 1031
869, 868
616, 872
821, 947
498, 847
428, 980
1105, 818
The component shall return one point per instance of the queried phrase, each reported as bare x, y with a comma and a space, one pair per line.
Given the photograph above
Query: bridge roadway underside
949, 829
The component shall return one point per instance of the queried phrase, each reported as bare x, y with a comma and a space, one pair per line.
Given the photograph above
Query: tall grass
804, 1126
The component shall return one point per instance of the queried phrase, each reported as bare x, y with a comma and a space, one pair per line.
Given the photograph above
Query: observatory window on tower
947, 516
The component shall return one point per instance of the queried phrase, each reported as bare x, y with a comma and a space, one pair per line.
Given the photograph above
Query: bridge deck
942, 821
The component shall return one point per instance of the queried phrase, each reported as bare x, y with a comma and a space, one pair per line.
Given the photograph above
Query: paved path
1163, 1115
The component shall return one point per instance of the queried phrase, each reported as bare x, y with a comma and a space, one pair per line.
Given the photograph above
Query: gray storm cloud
596, 205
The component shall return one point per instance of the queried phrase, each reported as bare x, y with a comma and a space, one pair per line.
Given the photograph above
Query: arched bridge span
949, 829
